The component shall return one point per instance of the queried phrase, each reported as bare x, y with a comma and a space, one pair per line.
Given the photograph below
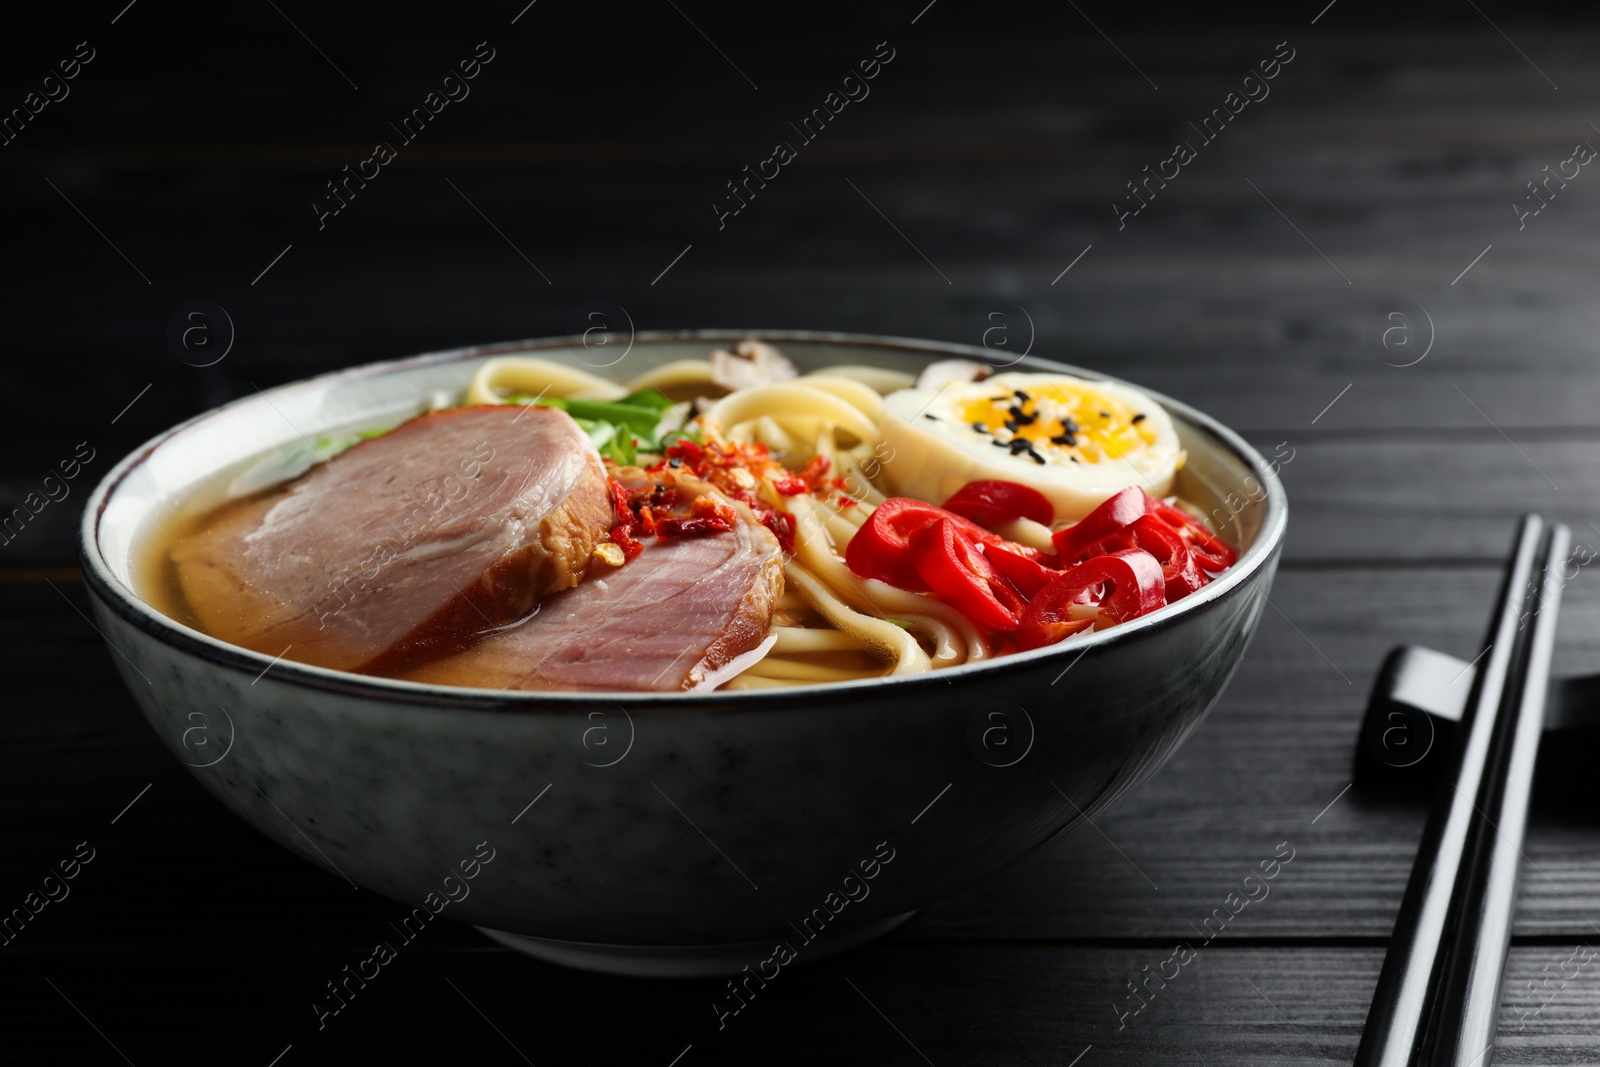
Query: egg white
933, 457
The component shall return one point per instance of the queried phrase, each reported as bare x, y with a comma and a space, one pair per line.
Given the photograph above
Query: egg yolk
1084, 426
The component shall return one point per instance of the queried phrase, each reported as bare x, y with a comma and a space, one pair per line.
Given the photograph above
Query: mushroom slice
751, 363
940, 374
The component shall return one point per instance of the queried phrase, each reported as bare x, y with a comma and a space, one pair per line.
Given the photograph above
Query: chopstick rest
1448, 952
1415, 710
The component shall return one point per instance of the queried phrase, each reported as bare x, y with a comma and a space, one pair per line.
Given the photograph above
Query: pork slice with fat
664, 621
406, 546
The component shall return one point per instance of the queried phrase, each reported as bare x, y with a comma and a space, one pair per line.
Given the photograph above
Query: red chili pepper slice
1024, 572
619, 503
1178, 568
1095, 535
1112, 515
881, 548
622, 532
1210, 551
815, 472
623, 539
782, 526
788, 483
686, 450
950, 563
706, 515
992, 502
1136, 588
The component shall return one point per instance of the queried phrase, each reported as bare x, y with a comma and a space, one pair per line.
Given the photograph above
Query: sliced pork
663, 621
408, 545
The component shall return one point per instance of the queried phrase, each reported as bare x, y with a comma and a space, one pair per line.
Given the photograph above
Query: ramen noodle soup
718, 523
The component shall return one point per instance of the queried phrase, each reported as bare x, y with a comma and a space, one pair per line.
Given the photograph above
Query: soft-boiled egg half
1076, 441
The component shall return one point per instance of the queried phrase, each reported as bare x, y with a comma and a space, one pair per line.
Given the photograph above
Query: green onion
640, 418
620, 429
647, 398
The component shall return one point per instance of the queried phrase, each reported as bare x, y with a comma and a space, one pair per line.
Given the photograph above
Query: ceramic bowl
663, 834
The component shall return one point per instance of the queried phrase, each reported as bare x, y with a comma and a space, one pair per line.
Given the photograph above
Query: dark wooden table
1340, 270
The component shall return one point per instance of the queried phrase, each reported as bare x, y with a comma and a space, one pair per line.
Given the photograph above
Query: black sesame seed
1020, 445
1013, 425
1137, 419
1037, 458
1020, 395
931, 418
1073, 458
1068, 426
1065, 439
1105, 414
999, 444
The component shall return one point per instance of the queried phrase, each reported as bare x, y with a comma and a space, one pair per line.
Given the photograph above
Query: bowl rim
121, 599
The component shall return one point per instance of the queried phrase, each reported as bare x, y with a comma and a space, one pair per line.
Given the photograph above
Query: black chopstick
1469, 996
1404, 1007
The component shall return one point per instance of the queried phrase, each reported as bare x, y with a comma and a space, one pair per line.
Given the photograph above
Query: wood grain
894, 1002
1258, 287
